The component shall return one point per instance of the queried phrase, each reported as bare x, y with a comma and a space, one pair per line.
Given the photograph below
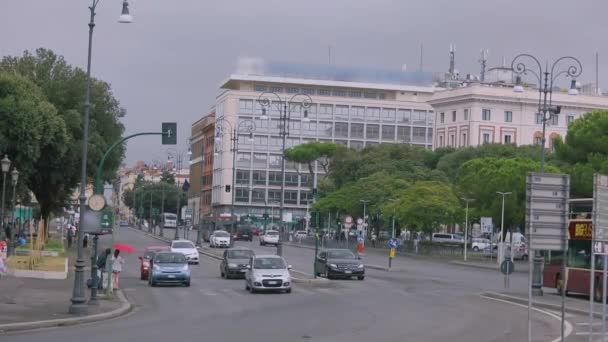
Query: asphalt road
424, 303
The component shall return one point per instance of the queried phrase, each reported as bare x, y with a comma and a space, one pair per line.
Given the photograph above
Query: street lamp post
15, 179
78, 294
502, 226
5, 164
284, 107
545, 79
466, 226
364, 219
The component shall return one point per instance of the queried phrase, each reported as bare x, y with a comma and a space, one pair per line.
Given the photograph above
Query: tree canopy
309, 153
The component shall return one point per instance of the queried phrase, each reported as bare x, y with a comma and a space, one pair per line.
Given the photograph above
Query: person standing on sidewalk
101, 266
117, 262
70, 236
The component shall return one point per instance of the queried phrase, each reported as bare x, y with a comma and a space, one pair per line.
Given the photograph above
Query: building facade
355, 109
477, 114
201, 166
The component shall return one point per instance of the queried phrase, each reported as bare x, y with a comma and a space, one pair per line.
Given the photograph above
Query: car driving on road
145, 260
243, 234
339, 263
270, 237
219, 238
268, 273
300, 234
187, 248
235, 262
169, 267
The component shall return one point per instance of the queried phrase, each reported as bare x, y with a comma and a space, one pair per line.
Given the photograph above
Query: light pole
78, 294
393, 200
284, 108
502, 225
5, 165
245, 125
199, 232
466, 226
178, 156
545, 79
364, 219
15, 179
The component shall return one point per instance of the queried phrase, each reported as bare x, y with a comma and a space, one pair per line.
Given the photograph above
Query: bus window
579, 255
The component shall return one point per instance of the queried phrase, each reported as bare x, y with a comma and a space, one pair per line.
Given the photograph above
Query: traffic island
47, 267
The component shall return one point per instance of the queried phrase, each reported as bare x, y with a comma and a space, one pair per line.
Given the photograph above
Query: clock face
97, 202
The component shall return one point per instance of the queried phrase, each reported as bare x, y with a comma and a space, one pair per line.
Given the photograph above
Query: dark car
235, 262
339, 263
144, 260
243, 234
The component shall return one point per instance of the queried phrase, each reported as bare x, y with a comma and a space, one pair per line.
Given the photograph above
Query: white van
447, 238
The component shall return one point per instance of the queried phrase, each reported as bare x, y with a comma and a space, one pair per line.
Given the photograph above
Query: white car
479, 244
300, 234
187, 248
268, 273
219, 238
270, 237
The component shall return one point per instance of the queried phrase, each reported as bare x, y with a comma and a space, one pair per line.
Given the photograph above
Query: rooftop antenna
329, 54
421, 56
483, 59
452, 55
597, 72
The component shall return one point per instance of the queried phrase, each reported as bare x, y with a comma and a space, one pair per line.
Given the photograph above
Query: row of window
272, 178
340, 112
262, 196
342, 92
486, 115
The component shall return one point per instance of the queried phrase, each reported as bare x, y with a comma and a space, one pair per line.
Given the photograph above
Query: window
326, 111
357, 113
324, 92
243, 160
309, 128
554, 120
419, 117
403, 115
306, 180
242, 177
441, 117
370, 94
245, 106
452, 140
419, 134
259, 160
539, 118
260, 87
372, 132
508, 116
569, 119
403, 134
308, 91
274, 178
354, 93
242, 195
342, 113
507, 139
292, 90
338, 92
260, 142
464, 141
466, 115
274, 196
373, 114
258, 195
453, 115
486, 138
388, 114
291, 179
274, 161
485, 114
325, 129
441, 141
430, 134
275, 143
259, 177
342, 130
538, 140
356, 130
388, 133
305, 197
291, 197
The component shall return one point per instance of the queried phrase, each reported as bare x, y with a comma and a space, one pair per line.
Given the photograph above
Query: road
421, 304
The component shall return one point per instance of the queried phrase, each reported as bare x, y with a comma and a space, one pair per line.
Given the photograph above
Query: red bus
578, 257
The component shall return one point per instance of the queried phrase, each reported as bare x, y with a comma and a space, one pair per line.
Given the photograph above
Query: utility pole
466, 226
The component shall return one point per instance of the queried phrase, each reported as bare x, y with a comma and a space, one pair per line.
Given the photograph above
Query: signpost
546, 221
507, 267
599, 241
392, 245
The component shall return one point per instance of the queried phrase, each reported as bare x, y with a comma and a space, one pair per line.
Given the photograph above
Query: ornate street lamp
5, 165
14, 179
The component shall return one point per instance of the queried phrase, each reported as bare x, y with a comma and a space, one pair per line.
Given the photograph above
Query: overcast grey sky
167, 65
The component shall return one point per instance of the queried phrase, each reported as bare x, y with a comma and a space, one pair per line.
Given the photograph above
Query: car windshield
170, 258
340, 255
269, 263
221, 234
239, 254
272, 233
183, 244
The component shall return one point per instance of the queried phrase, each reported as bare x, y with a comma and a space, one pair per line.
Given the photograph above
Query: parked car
270, 237
268, 273
243, 234
300, 234
169, 267
187, 248
124, 223
479, 244
339, 263
144, 260
219, 238
521, 252
235, 262
447, 238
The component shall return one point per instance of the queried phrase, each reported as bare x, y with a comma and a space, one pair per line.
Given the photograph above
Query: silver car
268, 273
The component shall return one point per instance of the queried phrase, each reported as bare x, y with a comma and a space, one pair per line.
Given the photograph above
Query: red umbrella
124, 248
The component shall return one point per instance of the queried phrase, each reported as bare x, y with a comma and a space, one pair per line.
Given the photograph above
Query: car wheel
187, 284
141, 276
222, 274
152, 283
246, 286
327, 275
475, 249
360, 277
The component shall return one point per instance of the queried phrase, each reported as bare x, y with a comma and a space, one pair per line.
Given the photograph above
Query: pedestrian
70, 237
374, 239
102, 260
85, 240
117, 262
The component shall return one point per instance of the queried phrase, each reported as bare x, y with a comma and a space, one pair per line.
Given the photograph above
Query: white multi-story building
475, 114
353, 107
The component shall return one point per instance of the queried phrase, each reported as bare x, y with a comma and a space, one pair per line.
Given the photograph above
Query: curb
493, 267
122, 310
524, 301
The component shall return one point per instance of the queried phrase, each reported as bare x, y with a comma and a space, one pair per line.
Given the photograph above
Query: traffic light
169, 130
227, 188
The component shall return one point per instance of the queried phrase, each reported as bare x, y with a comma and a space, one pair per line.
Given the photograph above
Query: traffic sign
348, 219
600, 214
507, 267
391, 253
169, 130
393, 243
359, 221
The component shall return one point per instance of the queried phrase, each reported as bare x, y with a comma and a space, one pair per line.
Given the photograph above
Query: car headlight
156, 267
360, 266
333, 265
185, 268
231, 265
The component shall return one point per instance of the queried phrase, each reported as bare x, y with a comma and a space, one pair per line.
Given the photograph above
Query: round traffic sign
348, 219
507, 267
359, 221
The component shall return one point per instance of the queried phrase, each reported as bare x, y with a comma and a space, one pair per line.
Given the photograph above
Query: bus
578, 257
169, 220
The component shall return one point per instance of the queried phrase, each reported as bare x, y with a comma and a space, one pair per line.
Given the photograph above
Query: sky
167, 65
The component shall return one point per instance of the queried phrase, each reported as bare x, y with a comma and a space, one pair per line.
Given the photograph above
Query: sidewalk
519, 267
550, 300
24, 300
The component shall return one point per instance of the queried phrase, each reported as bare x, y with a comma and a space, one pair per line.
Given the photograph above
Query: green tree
167, 177
142, 194
481, 178
309, 153
425, 206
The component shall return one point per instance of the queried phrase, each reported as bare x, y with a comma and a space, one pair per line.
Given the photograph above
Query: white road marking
568, 327
587, 323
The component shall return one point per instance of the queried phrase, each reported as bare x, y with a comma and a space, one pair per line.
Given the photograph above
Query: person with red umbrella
117, 262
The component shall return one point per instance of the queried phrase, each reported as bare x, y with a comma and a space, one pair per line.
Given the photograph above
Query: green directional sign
107, 219
169, 130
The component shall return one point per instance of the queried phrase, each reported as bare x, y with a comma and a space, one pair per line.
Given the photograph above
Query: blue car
169, 268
